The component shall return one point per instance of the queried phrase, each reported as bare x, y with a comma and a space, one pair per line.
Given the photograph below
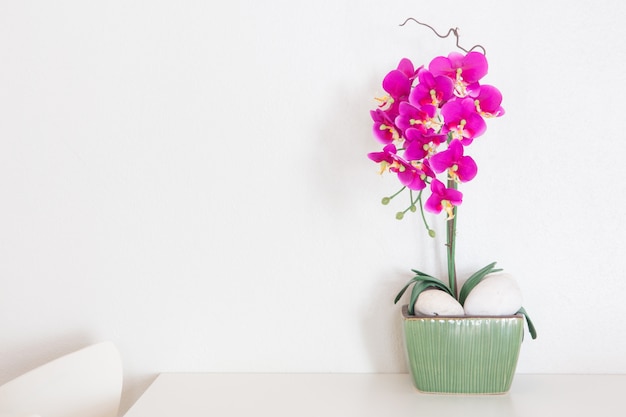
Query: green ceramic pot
463, 355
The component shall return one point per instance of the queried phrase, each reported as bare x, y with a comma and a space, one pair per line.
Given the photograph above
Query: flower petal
406, 67
446, 159
466, 169
474, 67
397, 84
489, 99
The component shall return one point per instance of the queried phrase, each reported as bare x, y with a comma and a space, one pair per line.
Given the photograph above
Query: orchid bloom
462, 119
413, 175
384, 158
464, 70
424, 117
431, 90
397, 83
488, 100
460, 167
384, 128
419, 145
443, 198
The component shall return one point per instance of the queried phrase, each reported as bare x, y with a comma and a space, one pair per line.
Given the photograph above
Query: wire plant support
453, 31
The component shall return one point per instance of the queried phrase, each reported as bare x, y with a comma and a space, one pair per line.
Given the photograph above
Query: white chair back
85, 383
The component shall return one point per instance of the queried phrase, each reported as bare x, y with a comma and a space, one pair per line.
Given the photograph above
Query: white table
375, 395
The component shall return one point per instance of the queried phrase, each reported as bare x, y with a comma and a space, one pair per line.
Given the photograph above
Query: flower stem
451, 243
431, 232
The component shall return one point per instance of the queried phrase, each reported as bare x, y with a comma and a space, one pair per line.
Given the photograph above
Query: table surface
379, 395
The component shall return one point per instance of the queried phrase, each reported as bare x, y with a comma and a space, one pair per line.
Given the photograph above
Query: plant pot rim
406, 315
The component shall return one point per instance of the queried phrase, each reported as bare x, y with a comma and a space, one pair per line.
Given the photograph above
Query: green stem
398, 192
419, 200
451, 243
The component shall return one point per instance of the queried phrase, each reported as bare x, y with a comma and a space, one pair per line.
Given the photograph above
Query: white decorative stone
437, 303
496, 295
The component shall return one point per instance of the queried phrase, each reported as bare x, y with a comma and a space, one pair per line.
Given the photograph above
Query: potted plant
463, 340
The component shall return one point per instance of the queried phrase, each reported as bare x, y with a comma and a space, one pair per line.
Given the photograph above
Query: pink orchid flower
459, 166
384, 128
462, 119
431, 90
397, 83
423, 117
443, 198
419, 145
468, 68
488, 100
384, 156
413, 175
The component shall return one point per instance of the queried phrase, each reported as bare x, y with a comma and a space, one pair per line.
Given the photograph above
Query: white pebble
437, 303
496, 295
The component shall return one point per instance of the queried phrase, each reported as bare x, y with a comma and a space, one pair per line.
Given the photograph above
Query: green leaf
531, 326
422, 286
475, 279
422, 277
421, 282
403, 290
422, 274
418, 288
434, 282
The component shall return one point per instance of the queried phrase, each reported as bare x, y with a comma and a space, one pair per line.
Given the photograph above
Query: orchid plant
426, 123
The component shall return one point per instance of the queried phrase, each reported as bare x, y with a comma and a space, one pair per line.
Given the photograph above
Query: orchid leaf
420, 287
422, 274
423, 278
434, 282
421, 282
531, 326
475, 279
403, 290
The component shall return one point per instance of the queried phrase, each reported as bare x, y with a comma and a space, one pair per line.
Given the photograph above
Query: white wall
189, 180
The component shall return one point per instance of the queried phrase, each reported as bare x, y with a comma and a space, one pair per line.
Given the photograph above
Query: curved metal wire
454, 31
